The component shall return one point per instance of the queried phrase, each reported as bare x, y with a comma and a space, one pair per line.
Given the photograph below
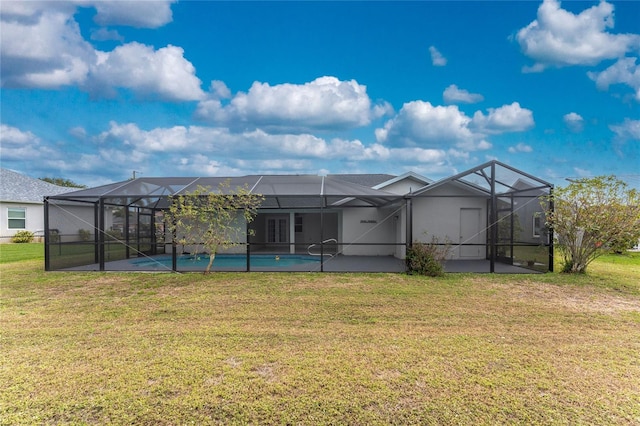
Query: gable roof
17, 187
492, 174
408, 175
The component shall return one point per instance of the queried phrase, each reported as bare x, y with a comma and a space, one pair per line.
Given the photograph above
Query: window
17, 218
298, 223
537, 224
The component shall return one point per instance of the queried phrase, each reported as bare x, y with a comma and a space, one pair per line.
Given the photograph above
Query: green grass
18, 252
293, 348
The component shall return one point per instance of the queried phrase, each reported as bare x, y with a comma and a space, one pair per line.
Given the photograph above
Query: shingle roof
17, 187
369, 180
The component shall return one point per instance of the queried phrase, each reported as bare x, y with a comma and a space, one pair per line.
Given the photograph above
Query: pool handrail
324, 242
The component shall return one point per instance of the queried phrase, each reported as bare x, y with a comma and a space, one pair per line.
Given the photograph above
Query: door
470, 233
278, 229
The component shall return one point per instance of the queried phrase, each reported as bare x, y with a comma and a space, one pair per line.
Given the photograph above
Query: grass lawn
298, 348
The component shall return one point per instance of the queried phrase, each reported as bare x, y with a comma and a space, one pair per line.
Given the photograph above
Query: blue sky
92, 91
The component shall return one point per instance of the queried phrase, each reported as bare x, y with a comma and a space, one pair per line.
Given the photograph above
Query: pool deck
340, 263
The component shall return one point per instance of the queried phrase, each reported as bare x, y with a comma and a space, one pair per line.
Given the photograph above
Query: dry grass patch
317, 349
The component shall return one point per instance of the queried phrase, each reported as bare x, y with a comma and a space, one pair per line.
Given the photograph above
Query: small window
537, 224
17, 218
298, 223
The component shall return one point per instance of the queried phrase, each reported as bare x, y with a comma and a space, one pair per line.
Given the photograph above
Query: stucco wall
440, 217
372, 226
34, 219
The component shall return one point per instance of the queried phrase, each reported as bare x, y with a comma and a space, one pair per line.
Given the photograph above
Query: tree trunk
212, 257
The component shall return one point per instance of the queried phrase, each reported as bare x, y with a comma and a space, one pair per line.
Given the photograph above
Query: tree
593, 216
211, 220
63, 182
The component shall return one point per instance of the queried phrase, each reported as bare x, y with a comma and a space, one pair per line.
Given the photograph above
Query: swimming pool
229, 261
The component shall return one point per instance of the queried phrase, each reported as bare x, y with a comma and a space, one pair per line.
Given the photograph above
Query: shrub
22, 237
54, 236
427, 258
85, 234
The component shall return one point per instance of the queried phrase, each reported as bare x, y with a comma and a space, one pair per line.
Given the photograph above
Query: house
342, 222
21, 203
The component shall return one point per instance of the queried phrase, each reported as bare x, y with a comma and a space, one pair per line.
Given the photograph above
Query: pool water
227, 261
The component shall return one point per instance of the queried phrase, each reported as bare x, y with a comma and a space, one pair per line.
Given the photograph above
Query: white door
470, 233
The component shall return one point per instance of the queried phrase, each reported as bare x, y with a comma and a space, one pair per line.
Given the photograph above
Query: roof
370, 180
17, 187
408, 175
280, 191
492, 176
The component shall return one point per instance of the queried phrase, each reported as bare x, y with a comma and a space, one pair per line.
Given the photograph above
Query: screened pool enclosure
489, 219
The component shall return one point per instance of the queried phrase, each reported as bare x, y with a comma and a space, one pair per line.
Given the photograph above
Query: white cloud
21, 145
436, 57
103, 34
521, 147
574, 122
624, 71
454, 95
220, 151
560, 38
78, 132
507, 118
42, 47
627, 130
219, 90
421, 124
164, 73
156, 140
325, 103
140, 14
582, 173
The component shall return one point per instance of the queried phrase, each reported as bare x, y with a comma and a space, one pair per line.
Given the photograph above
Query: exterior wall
371, 226
440, 217
34, 222
401, 233
404, 186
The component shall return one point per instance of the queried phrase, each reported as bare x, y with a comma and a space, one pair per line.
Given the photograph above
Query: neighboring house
476, 213
21, 203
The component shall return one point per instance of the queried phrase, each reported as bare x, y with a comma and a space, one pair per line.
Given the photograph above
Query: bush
22, 237
427, 258
54, 236
85, 234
